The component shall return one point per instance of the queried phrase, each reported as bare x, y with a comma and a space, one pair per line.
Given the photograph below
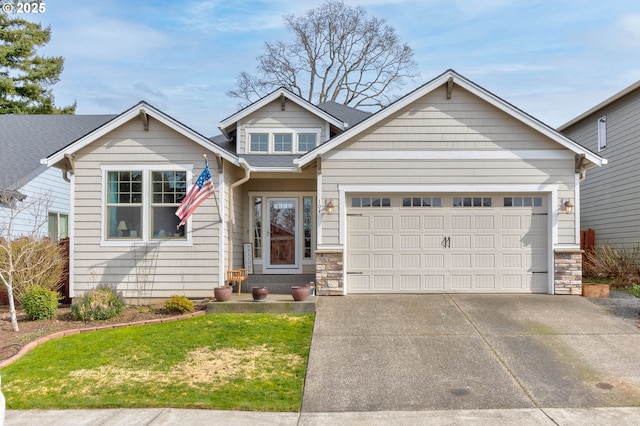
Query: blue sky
552, 59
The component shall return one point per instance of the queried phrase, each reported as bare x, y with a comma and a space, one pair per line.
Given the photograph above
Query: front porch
278, 301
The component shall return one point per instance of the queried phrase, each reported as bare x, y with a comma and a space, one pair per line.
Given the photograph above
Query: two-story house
610, 197
449, 189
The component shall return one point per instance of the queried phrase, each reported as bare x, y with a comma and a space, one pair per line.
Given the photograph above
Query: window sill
131, 243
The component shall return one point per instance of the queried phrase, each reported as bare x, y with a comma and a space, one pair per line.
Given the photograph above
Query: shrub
32, 262
618, 264
40, 303
178, 304
101, 303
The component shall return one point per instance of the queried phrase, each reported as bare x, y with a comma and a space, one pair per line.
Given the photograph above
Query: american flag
199, 192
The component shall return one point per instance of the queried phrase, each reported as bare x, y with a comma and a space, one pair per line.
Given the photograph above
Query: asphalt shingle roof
25, 139
351, 116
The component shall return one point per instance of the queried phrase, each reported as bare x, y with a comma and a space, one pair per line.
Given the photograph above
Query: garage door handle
446, 242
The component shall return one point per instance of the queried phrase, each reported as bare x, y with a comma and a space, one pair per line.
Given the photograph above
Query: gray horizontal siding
610, 195
192, 271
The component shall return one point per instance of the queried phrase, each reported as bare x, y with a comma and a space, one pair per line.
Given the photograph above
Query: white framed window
602, 133
58, 224
259, 142
306, 141
281, 140
140, 203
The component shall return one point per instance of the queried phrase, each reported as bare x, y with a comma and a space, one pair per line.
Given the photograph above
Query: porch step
277, 284
275, 304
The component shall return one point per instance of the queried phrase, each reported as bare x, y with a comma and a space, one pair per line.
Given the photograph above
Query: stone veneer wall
568, 272
329, 273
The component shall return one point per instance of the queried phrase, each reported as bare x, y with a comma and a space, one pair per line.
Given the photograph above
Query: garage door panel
433, 223
460, 282
461, 222
433, 261
484, 260
484, 242
410, 261
491, 249
410, 282
382, 261
383, 282
434, 282
410, 242
410, 223
383, 242
382, 223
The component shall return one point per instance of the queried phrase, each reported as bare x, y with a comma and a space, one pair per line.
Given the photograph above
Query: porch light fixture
330, 207
568, 207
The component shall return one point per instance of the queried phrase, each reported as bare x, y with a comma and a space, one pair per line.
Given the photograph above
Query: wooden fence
587, 244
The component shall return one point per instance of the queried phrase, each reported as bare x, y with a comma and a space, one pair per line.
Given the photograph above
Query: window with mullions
168, 190
124, 204
306, 142
129, 193
421, 202
472, 202
259, 142
522, 202
370, 202
282, 142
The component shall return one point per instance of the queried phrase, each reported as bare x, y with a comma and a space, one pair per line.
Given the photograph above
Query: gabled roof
601, 105
133, 112
25, 139
273, 96
456, 79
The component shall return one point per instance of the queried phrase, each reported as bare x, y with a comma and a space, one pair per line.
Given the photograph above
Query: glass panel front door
282, 233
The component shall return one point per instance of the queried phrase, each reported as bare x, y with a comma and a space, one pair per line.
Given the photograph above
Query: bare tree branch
336, 52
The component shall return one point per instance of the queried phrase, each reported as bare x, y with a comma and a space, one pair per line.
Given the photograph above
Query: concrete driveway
469, 352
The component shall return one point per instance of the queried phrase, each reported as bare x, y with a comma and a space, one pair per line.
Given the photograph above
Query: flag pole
215, 196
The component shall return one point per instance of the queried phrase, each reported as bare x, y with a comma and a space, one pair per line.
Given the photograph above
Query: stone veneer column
329, 273
568, 271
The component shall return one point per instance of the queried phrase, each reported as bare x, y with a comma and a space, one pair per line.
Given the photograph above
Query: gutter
232, 222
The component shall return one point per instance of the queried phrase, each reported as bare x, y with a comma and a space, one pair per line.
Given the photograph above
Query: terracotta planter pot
259, 294
223, 293
595, 290
299, 292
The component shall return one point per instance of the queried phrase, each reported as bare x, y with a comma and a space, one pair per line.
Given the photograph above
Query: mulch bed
12, 341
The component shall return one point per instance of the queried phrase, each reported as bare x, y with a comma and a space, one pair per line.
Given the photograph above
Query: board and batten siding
437, 125
610, 195
192, 270
271, 116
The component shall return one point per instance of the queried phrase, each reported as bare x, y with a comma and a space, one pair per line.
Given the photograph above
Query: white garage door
447, 243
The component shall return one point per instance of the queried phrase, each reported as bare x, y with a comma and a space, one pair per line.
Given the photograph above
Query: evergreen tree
25, 77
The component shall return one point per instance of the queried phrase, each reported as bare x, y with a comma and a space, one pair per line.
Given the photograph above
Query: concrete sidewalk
619, 416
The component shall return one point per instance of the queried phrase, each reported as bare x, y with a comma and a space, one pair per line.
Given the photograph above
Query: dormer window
306, 142
281, 141
259, 142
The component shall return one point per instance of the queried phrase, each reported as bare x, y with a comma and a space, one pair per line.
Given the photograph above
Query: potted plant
299, 292
259, 294
222, 293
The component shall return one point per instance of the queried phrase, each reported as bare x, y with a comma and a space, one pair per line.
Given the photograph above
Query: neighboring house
449, 189
24, 140
610, 197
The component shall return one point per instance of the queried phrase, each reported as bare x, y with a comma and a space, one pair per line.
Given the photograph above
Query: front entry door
282, 240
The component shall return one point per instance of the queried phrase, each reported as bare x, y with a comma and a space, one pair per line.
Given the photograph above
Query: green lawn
225, 361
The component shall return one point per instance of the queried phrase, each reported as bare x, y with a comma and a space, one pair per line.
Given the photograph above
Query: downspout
232, 222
